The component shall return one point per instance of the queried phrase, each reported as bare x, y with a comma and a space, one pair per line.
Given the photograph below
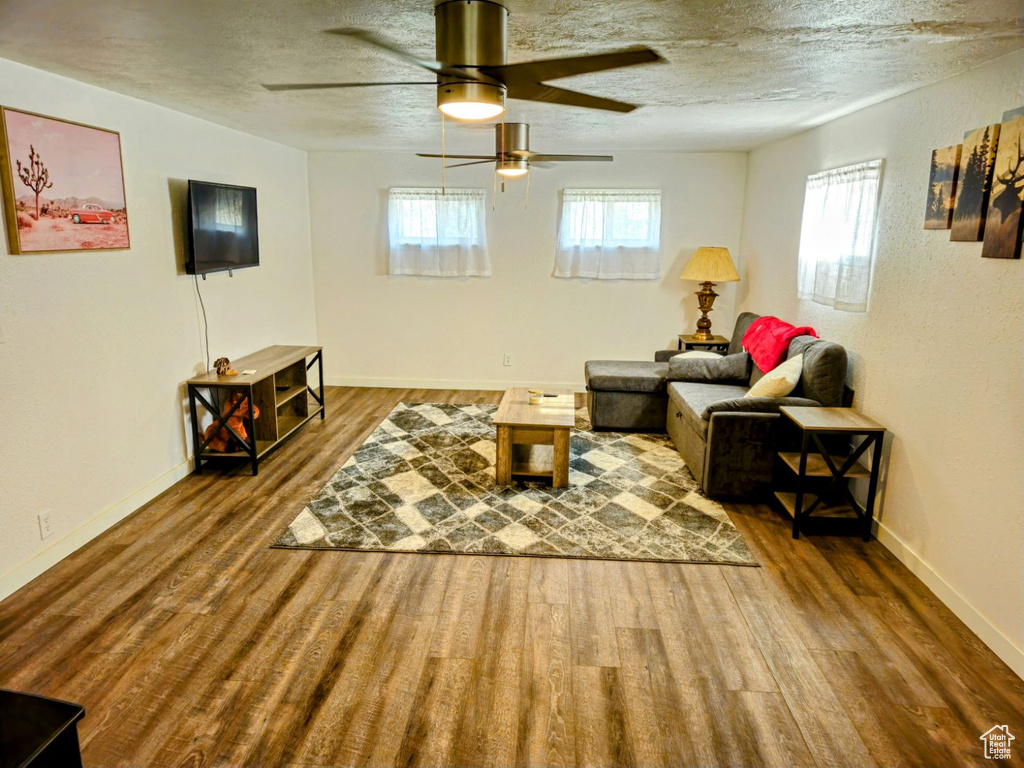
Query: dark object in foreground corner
38, 732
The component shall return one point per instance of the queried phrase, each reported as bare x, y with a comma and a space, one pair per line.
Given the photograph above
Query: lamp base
705, 298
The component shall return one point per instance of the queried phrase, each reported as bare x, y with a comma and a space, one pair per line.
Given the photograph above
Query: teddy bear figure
224, 441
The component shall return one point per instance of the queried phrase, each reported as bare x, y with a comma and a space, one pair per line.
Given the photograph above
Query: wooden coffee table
533, 440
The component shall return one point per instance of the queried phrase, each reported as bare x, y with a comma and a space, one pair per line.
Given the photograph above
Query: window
610, 234
837, 237
438, 234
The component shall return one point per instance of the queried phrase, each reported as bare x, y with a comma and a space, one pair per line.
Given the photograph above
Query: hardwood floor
190, 642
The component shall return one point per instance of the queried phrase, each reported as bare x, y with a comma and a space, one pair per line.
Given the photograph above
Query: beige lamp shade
710, 265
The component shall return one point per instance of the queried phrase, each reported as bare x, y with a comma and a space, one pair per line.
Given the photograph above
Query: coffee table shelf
533, 460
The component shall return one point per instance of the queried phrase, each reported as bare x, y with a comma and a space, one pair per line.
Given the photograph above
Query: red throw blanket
767, 340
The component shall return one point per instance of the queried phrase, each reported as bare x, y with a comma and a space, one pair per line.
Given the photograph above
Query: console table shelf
279, 388
816, 466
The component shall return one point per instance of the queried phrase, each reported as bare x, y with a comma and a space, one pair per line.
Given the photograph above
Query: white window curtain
837, 237
610, 234
443, 235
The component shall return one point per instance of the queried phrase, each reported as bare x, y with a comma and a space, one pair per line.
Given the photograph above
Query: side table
36, 731
714, 344
821, 487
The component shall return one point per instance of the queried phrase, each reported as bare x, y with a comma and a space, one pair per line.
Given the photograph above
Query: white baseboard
989, 634
356, 381
20, 575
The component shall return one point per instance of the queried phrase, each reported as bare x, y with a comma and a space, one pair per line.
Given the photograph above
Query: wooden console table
279, 389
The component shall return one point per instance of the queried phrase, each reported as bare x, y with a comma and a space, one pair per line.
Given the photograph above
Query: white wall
937, 357
436, 332
98, 344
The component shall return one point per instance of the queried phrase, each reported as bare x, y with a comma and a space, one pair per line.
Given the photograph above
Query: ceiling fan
512, 156
472, 76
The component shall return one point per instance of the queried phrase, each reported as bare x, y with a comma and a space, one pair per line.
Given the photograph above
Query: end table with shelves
822, 500
689, 342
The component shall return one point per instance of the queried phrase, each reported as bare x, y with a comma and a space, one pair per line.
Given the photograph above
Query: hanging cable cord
206, 325
526, 203
494, 191
502, 161
444, 160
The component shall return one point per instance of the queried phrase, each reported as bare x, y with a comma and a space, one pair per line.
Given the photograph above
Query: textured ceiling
739, 72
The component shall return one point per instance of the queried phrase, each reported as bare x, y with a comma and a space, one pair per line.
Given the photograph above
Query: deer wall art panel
1004, 223
942, 187
976, 159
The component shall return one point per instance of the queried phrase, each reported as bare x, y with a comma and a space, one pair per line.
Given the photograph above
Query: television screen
223, 232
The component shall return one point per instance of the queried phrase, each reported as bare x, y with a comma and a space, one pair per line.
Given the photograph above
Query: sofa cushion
742, 324
756, 405
625, 376
824, 370
728, 369
664, 355
780, 381
689, 399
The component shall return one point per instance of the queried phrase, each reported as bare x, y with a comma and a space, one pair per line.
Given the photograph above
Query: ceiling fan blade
543, 70
551, 95
472, 162
320, 86
437, 67
491, 158
570, 158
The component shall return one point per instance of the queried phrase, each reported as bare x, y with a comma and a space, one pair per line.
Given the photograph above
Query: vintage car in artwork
90, 213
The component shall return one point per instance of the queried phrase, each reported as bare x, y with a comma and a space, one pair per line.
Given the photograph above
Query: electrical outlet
508, 359
45, 528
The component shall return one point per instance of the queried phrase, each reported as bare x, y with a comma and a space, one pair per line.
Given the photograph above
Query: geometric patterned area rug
424, 482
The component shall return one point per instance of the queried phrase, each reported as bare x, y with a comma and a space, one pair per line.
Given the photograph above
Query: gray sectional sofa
728, 441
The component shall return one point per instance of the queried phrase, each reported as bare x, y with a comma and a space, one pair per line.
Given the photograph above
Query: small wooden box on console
279, 389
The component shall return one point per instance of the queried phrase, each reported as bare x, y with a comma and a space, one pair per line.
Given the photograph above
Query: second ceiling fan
472, 74
512, 156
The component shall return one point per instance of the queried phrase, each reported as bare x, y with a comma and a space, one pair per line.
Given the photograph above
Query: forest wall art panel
63, 185
976, 159
1004, 221
942, 187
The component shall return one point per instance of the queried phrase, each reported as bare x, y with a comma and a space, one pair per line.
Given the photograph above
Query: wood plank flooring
190, 642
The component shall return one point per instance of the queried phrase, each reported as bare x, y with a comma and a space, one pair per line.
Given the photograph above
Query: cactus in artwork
35, 175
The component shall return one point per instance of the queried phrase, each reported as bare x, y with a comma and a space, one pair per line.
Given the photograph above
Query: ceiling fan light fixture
511, 169
471, 101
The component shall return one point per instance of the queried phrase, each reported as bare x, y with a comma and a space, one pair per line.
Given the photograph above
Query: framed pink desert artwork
63, 185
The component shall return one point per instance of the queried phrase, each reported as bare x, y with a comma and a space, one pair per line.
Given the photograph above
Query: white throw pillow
780, 381
696, 353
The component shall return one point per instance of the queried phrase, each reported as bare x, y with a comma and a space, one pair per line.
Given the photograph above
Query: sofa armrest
755, 405
724, 369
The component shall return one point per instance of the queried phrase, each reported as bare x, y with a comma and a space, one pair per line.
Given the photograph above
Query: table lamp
707, 267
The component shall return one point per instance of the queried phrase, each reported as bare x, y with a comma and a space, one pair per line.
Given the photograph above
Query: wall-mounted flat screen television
222, 228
